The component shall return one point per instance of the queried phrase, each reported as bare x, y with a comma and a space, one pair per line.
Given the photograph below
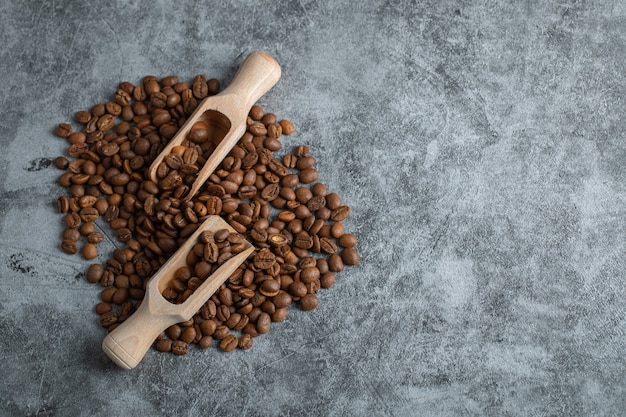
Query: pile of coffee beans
274, 202
210, 252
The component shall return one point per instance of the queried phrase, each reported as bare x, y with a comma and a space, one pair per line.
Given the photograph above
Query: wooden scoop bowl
129, 342
225, 114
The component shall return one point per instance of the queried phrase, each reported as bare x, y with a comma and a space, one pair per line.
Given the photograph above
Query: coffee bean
102, 308
205, 342
245, 342
199, 87
264, 259
257, 129
350, 256
163, 345
188, 335
63, 130
229, 343
180, 348
270, 288
82, 116
309, 302
328, 246
333, 201
120, 295
335, 263
199, 132
256, 112
221, 331
282, 299
308, 175
263, 323
72, 220
89, 214
71, 234
287, 127
106, 122
108, 319
327, 280
340, 213
89, 251
208, 327
347, 240
69, 246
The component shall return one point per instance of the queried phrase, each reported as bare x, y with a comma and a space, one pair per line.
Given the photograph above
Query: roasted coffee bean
69, 246
270, 288
287, 127
303, 240
282, 299
335, 263
264, 259
199, 87
82, 116
108, 319
71, 234
63, 204
308, 175
205, 342
350, 256
340, 213
327, 280
309, 302
263, 323
61, 162
102, 308
336, 230
199, 132
106, 122
221, 331
180, 348
64, 130
328, 246
163, 345
72, 220
89, 214
120, 295
256, 112
89, 251
347, 240
208, 327
333, 201
246, 342
229, 343
188, 335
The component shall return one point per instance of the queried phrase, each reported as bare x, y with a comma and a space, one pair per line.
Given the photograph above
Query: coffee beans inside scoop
277, 203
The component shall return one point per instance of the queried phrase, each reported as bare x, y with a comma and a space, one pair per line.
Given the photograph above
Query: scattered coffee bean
294, 222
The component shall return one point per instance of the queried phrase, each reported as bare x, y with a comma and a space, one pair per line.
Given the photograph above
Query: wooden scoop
225, 114
129, 342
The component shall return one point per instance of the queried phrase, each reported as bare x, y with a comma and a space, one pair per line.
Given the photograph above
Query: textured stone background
479, 143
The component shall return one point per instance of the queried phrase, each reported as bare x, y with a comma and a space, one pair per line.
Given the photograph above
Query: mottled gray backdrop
479, 143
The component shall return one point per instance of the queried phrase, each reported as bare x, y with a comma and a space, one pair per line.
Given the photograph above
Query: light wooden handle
258, 73
129, 342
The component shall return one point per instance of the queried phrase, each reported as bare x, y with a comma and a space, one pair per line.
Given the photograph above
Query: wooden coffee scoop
225, 114
127, 344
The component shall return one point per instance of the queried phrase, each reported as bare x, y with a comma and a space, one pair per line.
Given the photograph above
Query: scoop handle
129, 342
257, 74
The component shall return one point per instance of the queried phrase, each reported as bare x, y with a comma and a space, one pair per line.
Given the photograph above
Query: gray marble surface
480, 145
